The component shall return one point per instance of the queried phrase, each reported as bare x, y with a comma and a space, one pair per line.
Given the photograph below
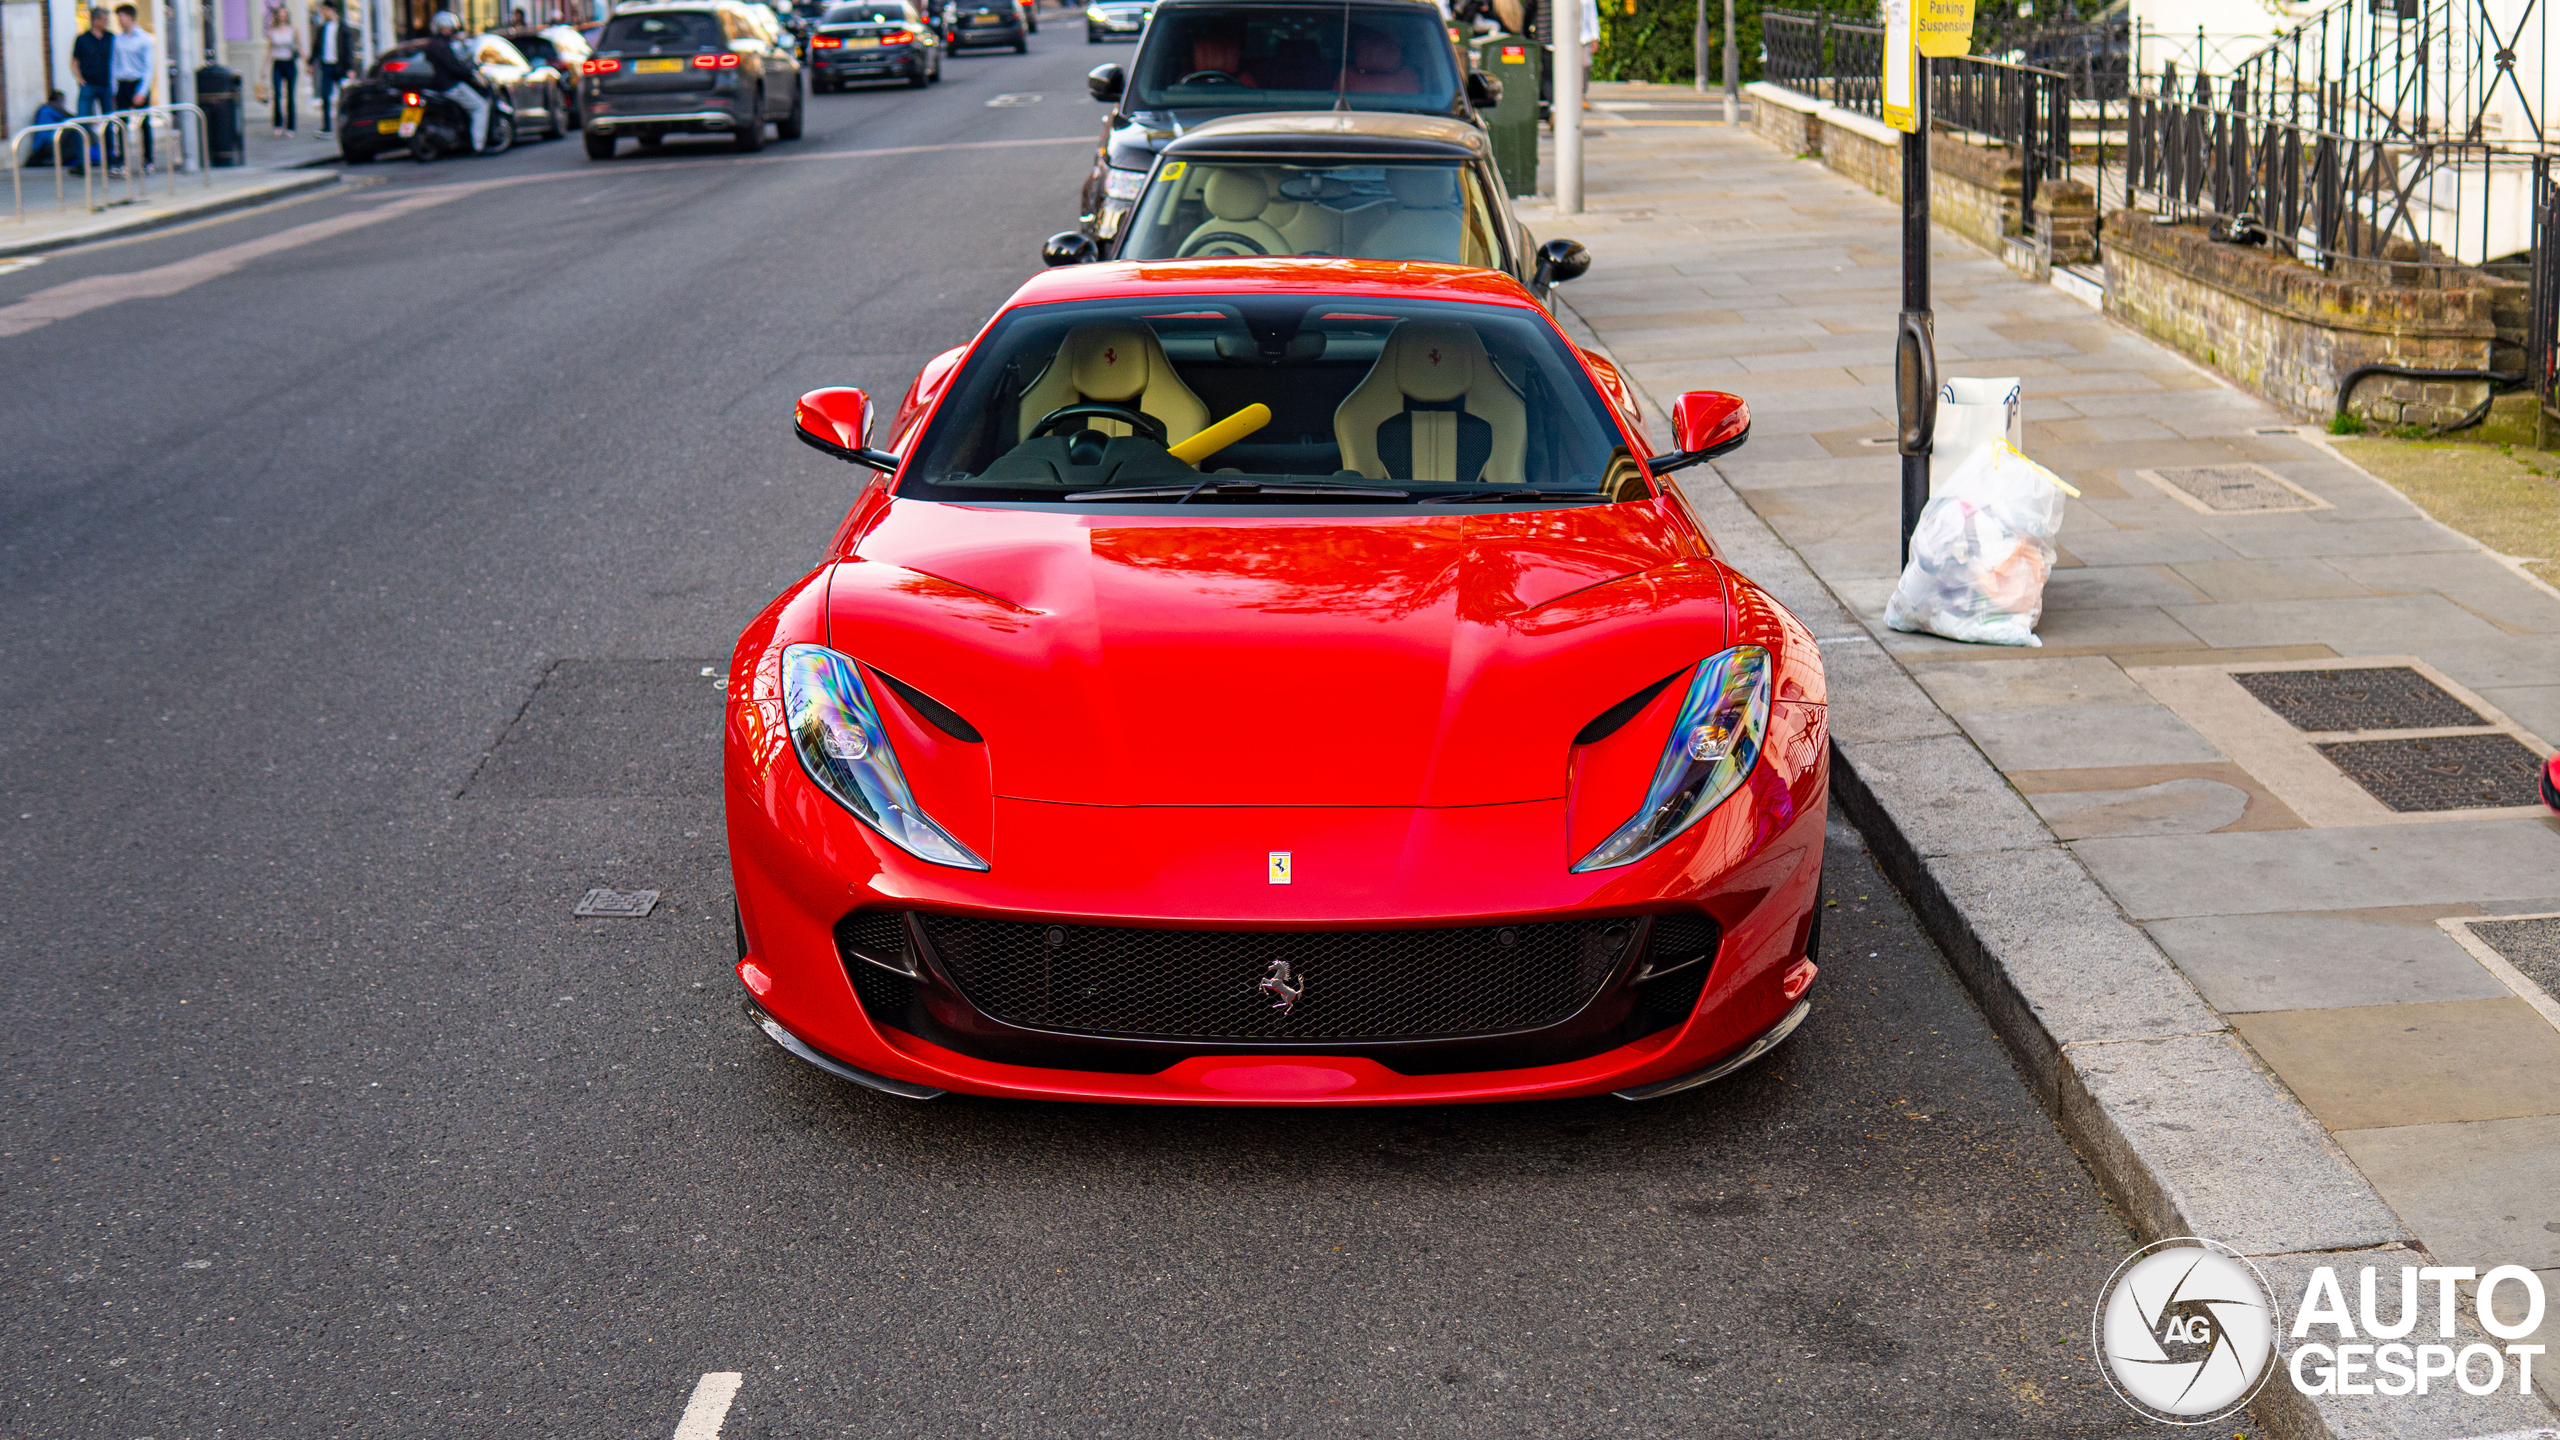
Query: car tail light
410, 99
826, 42
605, 66
898, 39
715, 62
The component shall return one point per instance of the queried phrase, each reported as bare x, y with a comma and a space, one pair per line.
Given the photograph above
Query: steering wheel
1208, 75
1248, 245
1129, 415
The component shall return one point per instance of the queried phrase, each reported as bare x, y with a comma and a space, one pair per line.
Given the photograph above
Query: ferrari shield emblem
1279, 867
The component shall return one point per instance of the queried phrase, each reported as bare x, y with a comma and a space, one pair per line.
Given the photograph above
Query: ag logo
2185, 1331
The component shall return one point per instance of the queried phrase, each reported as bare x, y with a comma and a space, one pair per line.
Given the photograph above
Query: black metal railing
2024, 107
1798, 49
2542, 336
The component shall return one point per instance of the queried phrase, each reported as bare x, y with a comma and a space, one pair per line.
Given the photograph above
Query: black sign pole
1915, 351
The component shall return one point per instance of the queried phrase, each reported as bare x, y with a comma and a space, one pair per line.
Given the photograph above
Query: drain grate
2449, 772
2380, 698
2531, 946
2233, 489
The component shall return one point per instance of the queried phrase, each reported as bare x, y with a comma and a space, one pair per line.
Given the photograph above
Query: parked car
700, 67
371, 110
1373, 185
1275, 683
1202, 59
562, 48
1114, 19
874, 40
2551, 782
986, 22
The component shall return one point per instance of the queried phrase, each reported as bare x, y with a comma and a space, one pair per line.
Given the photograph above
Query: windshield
867, 15
538, 50
678, 30
1270, 57
1427, 398
1429, 210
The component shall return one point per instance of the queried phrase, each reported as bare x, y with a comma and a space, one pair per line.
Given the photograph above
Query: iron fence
2542, 338
2205, 151
2024, 107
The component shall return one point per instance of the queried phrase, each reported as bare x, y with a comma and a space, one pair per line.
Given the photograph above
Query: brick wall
2290, 332
1795, 131
1973, 189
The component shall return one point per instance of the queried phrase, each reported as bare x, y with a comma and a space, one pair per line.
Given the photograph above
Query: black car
1358, 186
986, 22
873, 40
1111, 19
536, 97
562, 48
710, 67
1201, 59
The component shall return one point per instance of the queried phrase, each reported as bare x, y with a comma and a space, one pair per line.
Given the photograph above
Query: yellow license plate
862, 44
410, 119
658, 67
386, 127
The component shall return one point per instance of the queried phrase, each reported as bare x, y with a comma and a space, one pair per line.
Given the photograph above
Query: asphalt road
324, 1117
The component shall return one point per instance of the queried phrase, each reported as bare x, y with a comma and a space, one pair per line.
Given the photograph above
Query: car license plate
658, 67
386, 127
862, 44
409, 119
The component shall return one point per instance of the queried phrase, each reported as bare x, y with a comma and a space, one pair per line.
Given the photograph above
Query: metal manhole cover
2531, 946
2232, 489
2382, 698
603, 904
2445, 772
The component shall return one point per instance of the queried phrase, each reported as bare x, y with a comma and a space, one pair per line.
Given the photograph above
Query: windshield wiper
1509, 492
1243, 488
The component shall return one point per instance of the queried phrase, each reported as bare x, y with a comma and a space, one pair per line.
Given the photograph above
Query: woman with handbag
284, 62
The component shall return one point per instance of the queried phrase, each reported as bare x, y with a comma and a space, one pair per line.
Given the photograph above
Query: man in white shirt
131, 71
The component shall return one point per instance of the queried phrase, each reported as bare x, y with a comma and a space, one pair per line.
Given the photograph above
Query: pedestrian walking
93, 54
284, 62
333, 54
136, 61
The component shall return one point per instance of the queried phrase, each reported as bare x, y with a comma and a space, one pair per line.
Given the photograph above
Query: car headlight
836, 731
1094, 14
1714, 742
1123, 184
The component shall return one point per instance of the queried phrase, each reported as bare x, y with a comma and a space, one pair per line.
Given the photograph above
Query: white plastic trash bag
1972, 411
1983, 548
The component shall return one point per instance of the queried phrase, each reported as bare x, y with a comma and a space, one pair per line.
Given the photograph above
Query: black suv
703, 69
1201, 59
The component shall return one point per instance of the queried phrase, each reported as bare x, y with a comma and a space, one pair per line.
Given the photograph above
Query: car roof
1329, 133
1380, 279
1295, 4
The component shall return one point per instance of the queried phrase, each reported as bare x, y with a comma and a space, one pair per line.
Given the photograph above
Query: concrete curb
110, 224
2180, 1124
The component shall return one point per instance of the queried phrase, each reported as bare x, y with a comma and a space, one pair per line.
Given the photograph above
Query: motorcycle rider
457, 77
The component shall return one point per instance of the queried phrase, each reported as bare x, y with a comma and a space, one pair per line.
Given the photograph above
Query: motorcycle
434, 124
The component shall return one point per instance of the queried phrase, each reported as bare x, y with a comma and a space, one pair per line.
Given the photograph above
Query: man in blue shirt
132, 67
66, 143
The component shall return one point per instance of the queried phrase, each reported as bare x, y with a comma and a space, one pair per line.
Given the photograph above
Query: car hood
1232, 659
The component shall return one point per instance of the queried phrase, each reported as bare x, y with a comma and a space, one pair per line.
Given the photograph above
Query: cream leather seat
1119, 364
1424, 223
1236, 199
1434, 409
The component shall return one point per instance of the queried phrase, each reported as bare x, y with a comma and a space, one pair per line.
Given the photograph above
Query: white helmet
444, 20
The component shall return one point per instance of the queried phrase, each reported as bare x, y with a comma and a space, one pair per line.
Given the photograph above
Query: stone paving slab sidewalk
2257, 995
276, 166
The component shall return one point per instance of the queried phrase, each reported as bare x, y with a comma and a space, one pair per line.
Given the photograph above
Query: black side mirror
1483, 91
1106, 82
1561, 260
1069, 247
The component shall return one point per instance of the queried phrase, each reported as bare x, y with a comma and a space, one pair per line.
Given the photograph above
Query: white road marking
709, 1408
78, 297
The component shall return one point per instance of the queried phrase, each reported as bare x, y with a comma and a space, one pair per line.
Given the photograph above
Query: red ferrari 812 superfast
1275, 682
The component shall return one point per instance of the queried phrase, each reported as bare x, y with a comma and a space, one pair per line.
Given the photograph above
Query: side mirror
1106, 82
1561, 260
1705, 423
837, 420
1483, 91
1069, 247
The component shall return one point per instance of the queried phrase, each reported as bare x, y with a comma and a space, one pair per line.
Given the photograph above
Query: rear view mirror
1705, 424
1562, 260
1069, 247
1483, 91
1106, 82
837, 420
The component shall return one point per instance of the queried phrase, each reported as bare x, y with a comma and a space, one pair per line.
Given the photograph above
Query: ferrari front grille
1265, 986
